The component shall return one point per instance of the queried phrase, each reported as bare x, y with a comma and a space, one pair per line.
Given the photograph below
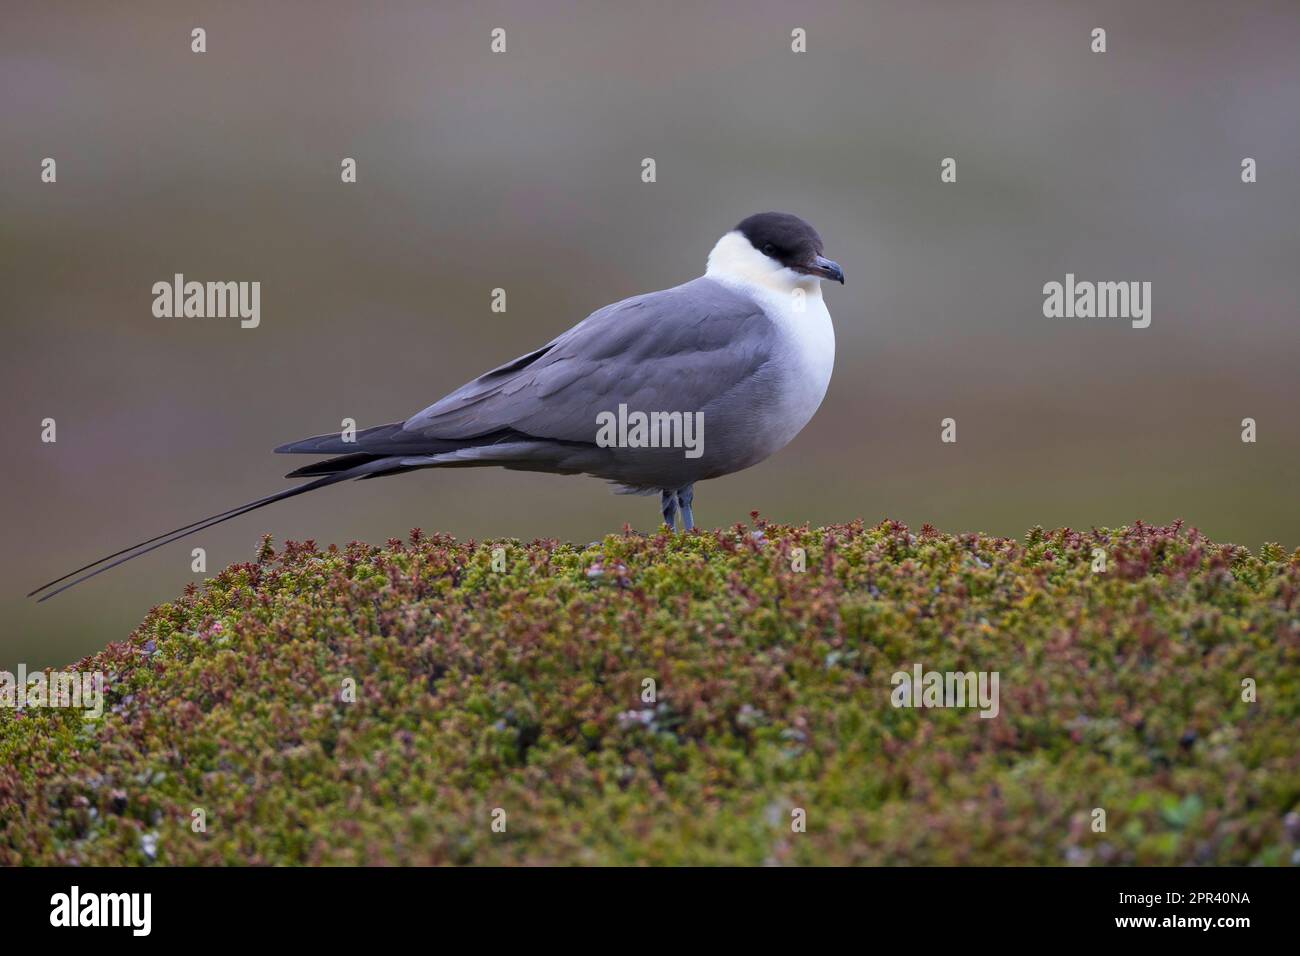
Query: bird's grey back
681, 349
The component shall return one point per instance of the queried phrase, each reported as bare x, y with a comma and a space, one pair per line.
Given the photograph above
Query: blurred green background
522, 170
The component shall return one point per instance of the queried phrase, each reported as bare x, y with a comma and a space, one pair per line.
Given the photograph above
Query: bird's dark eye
769, 249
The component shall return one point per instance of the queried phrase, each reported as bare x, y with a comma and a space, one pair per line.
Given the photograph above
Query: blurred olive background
522, 170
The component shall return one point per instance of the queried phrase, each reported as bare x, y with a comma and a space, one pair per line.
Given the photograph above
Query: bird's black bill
826, 268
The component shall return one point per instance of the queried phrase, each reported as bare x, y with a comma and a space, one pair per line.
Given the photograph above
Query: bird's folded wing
675, 350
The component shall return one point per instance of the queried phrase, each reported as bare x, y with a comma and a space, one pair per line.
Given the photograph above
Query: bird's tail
144, 547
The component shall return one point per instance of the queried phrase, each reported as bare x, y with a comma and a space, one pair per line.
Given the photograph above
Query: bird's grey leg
684, 498
668, 505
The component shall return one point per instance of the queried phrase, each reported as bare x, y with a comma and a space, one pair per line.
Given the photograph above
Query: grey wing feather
675, 350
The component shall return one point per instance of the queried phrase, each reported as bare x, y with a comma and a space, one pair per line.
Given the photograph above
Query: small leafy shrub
682, 699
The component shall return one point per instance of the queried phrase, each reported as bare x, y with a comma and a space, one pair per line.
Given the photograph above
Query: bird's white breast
806, 364
793, 303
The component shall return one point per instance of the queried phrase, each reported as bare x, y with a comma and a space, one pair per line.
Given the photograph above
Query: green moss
521, 689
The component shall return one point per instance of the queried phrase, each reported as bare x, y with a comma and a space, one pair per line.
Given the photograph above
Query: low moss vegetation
519, 695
